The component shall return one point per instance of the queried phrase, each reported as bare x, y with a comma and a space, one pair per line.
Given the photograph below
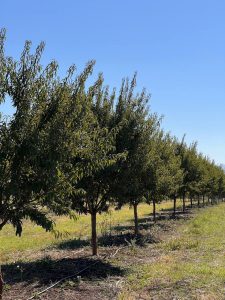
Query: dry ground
180, 258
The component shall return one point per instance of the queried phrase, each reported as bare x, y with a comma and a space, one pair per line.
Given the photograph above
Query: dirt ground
102, 277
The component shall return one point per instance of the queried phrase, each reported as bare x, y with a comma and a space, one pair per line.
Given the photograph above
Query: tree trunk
203, 200
191, 200
3, 224
94, 234
198, 201
135, 219
183, 202
1, 284
174, 206
154, 210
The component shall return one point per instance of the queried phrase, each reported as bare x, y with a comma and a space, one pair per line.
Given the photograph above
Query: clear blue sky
177, 47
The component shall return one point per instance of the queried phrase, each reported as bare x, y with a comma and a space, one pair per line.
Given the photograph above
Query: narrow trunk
174, 206
94, 234
203, 200
3, 224
184, 202
135, 219
1, 284
154, 210
191, 200
198, 201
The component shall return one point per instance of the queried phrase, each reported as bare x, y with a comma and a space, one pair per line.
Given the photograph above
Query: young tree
165, 172
176, 175
190, 168
136, 137
48, 133
25, 84
95, 188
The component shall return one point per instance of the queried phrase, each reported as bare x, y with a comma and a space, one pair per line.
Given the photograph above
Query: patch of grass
193, 261
178, 244
173, 245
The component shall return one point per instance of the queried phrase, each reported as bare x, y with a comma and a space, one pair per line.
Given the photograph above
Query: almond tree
25, 84
93, 193
164, 171
136, 137
42, 148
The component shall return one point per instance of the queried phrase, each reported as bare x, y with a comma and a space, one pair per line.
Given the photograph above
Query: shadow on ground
145, 223
46, 271
122, 238
73, 244
126, 239
123, 234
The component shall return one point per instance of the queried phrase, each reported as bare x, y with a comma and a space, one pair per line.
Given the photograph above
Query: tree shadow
126, 239
47, 270
167, 213
144, 223
118, 239
122, 235
72, 244
187, 210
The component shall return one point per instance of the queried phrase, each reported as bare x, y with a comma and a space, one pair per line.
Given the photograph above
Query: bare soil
101, 277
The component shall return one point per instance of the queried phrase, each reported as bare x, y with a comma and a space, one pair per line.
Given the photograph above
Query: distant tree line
73, 147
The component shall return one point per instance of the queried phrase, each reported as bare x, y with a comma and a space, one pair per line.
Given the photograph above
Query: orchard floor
182, 258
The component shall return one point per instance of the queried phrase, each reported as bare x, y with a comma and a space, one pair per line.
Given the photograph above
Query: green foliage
74, 146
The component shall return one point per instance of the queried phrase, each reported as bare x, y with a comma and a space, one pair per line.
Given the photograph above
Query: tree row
74, 146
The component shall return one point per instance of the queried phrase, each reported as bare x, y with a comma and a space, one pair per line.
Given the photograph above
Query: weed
173, 245
132, 244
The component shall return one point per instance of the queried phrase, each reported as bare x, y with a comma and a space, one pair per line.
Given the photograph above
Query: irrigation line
65, 278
